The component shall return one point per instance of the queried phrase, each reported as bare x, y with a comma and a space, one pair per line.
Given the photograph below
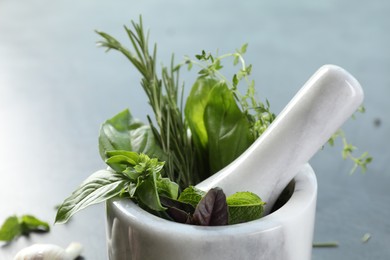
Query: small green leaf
243, 48
123, 132
167, 188
10, 229
147, 194
191, 195
244, 207
236, 59
99, 187
235, 81
33, 224
14, 226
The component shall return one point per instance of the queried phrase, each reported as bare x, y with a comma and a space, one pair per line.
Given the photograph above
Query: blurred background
57, 87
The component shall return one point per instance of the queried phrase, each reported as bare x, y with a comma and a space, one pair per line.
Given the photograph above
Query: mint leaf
99, 187
191, 195
10, 229
30, 223
14, 226
244, 207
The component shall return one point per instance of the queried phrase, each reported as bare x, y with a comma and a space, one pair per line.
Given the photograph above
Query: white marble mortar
285, 234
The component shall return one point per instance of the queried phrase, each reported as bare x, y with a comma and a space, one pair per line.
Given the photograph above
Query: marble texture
285, 234
307, 122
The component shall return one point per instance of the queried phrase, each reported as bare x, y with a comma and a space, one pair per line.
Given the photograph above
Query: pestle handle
315, 113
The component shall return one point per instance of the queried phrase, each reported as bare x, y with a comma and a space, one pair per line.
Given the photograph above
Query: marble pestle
317, 111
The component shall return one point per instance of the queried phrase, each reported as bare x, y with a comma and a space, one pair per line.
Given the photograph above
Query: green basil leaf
227, 128
167, 188
99, 187
123, 132
146, 193
191, 195
244, 207
194, 114
30, 223
212, 209
10, 229
195, 107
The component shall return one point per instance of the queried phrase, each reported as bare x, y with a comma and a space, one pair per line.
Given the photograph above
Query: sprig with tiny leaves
257, 112
347, 152
211, 66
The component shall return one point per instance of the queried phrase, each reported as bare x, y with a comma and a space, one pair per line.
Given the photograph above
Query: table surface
56, 88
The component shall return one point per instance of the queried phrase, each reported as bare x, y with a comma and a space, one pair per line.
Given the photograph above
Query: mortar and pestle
276, 161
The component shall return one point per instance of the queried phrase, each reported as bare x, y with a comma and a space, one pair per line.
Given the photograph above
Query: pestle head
318, 110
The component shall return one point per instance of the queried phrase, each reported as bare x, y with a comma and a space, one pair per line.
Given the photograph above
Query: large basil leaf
194, 114
99, 187
123, 132
195, 107
227, 128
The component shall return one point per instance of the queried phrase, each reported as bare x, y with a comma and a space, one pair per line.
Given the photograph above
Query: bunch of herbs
157, 164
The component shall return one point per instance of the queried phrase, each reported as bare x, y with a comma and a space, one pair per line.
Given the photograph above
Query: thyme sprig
258, 113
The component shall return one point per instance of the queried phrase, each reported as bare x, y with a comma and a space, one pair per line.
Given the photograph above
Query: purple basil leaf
212, 210
179, 211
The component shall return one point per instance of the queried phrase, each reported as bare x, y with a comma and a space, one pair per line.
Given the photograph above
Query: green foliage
163, 92
347, 152
123, 132
99, 187
178, 149
191, 195
14, 226
244, 207
227, 128
131, 173
213, 208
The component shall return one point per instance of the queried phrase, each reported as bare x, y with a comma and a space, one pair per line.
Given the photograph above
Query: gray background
56, 88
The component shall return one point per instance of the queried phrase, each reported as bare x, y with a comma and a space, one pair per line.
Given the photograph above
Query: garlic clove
49, 252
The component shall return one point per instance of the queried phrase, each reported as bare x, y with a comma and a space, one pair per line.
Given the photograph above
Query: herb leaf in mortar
212, 209
191, 195
244, 207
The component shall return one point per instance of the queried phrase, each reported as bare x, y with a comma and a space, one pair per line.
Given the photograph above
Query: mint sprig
15, 226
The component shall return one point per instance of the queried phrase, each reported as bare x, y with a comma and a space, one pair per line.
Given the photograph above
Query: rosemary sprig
163, 93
